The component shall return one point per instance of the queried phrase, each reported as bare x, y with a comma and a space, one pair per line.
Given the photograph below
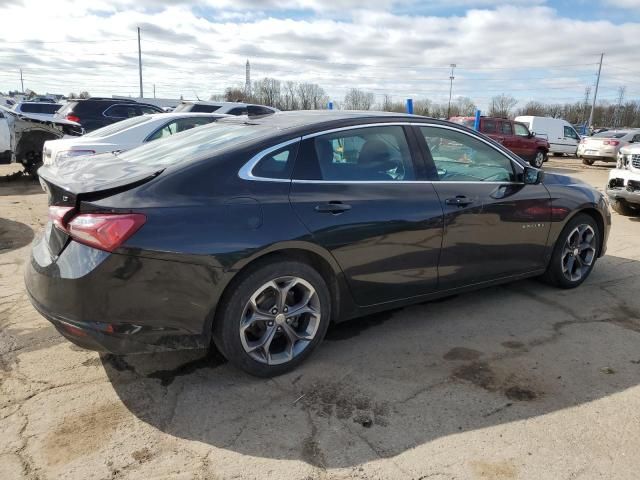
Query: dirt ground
521, 381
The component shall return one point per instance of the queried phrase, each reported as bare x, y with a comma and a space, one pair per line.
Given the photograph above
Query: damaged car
623, 187
22, 137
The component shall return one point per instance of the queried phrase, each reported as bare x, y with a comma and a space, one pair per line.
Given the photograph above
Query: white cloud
496, 50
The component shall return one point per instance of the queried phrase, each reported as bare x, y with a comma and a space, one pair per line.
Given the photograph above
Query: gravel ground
520, 381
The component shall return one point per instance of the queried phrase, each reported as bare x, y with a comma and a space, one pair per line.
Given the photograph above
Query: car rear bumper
119, 303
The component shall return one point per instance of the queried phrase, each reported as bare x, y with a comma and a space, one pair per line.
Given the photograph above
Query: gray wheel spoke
570, 262
284, 331
578, 252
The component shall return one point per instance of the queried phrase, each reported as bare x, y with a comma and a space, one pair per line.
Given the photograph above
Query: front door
360, 193
494, 225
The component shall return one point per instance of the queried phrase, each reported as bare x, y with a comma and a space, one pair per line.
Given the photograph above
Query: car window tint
118, 126
238, 111
145, 109
488, 125
521, 130
188, 123
636, 138
200, 108
507, 129
277, 164
460, 157
166, 131
372, 153
258, 110
121, 111
570, 133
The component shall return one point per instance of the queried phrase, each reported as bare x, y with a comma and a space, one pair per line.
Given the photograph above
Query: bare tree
235, 94
501, 105
356, 99
465, 106
290, 97
84, 95
267, 91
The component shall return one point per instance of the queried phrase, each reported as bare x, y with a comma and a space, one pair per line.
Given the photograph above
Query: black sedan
256, 234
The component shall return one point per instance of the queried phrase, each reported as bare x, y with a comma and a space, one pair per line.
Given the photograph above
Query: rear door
361, 193
494, 225
570, 140
508, 138
5, 136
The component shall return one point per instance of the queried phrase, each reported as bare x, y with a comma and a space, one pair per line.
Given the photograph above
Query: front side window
521, 130
506, 128
570, 133
364, 154
459, 157
164, 132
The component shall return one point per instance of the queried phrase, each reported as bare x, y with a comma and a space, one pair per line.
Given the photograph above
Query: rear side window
363, 154
507, 129
145, 109
238, 111
258, 110
121, 111
67, 108
488, 126
277, 164
198, 108
46, 108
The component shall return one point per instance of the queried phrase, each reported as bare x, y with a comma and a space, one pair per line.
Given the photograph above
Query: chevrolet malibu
257, 234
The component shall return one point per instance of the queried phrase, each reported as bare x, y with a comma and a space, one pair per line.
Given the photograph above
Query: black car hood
558, 179
97, 173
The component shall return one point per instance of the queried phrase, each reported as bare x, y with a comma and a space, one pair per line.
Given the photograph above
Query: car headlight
66, 154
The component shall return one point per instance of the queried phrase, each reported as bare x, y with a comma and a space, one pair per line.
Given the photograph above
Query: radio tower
247, 82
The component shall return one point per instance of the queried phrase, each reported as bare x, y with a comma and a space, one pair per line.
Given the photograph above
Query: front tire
623, 208
276, 315
575, 253
587, 161
539, 159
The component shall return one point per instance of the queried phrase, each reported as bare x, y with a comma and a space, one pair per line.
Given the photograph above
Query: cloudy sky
533, 49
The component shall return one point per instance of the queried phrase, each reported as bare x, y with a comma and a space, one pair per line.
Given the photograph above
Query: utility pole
595, 94
247, 80
451, 78
587, 95
154, 90
140, 63
21, 81
618, 111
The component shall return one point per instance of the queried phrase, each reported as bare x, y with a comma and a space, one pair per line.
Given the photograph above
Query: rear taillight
611, 142
105, 231
73, 118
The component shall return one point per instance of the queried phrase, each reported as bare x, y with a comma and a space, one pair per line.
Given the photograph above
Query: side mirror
532, 134
532, 176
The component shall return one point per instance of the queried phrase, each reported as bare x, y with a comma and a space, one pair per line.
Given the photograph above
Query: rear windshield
467, 122
47, 108
66, 108
611, 134
196, 108
119, 126
194, 144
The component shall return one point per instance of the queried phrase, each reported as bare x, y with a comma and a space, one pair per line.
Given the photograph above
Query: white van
560, 134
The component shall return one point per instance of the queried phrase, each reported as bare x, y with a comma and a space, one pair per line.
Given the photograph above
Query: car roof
309, 120
188, 115
223, 104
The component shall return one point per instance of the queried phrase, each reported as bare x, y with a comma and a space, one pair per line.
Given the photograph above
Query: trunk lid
69, 185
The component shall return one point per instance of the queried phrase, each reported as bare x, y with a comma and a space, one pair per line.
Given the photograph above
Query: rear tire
575, 253
623, 208
588, 161
253, 328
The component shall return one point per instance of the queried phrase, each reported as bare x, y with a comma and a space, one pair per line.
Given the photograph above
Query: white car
606, 145
124, 135
623, 187
231, 108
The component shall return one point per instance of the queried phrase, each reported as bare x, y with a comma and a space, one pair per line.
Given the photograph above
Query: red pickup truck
513, 135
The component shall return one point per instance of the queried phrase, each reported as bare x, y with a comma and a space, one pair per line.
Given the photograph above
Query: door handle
334, 208
500, 139
459, 201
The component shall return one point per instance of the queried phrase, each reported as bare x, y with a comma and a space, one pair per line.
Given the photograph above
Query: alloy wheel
539, 160
579, 252
280, 320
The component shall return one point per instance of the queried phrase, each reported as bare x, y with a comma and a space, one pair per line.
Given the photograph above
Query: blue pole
410, 106
476, 124
330, 105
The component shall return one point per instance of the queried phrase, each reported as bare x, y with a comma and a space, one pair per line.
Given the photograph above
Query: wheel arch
319, 259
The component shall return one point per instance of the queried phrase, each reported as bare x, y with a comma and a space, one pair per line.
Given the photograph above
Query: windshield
194, 144
118, 126
610, 134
